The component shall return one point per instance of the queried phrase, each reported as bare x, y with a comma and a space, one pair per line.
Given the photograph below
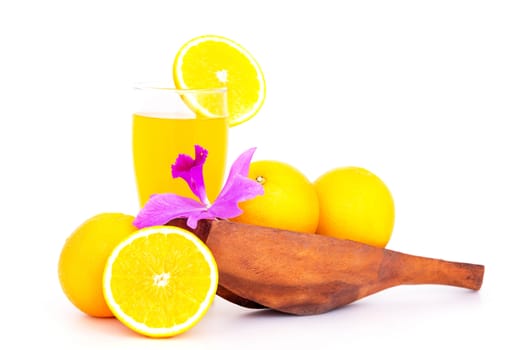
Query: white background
426, 94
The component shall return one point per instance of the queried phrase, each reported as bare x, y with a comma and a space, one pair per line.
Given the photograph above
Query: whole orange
289, 201
83, 258
355, 204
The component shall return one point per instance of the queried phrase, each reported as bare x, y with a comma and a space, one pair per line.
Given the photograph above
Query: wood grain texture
306, 274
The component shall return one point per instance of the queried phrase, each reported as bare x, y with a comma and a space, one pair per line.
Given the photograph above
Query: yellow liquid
157, 142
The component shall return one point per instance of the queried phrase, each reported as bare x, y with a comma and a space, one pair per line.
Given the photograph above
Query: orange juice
159, 138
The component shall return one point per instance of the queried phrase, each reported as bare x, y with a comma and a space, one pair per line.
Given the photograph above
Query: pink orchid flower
164, 207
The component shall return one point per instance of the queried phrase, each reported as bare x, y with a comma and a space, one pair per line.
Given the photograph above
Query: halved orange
160, 281
214, 61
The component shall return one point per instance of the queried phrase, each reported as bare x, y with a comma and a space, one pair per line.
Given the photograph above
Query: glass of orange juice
170, 121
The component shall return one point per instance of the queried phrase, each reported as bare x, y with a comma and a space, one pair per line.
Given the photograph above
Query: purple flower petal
241, 189
191, 170
238, 188
239, 166
182, 166
162, 208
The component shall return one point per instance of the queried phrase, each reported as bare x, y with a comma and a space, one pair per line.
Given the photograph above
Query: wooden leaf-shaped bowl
306, 274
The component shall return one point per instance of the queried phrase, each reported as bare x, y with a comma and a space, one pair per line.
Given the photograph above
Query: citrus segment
160, 281
215, 61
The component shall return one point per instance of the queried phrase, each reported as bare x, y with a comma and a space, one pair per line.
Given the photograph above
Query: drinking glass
170, 121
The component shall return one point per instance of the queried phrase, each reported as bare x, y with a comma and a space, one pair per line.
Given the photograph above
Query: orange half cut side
214, 61
160, 281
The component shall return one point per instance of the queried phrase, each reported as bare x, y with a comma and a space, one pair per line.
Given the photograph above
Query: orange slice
160, 281
214, 61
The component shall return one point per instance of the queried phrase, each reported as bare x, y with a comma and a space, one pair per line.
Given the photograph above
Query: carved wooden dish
305, 274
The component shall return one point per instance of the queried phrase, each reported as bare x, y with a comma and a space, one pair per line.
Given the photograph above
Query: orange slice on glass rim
214, 61
160, 281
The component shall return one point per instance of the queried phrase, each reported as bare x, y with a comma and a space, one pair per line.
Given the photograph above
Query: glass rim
169, 87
